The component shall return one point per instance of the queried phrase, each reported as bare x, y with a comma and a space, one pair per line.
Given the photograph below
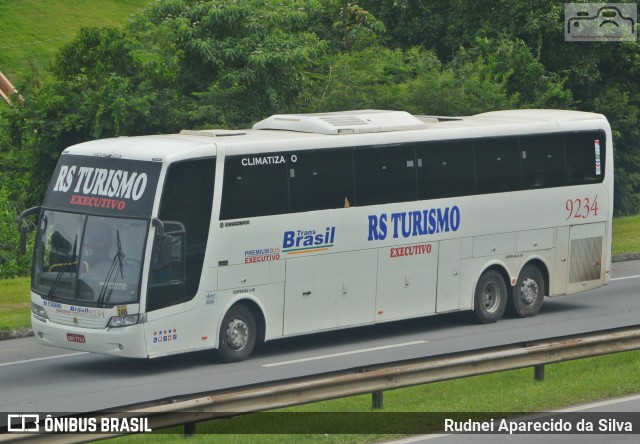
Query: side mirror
25, 229
162, 242
164, 251
159, 226
168, 257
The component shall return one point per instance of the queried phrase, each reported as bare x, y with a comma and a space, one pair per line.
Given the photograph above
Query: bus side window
167, 274
385, 174
445, 169
254, 185
585, 157
542, 161
320, 179
187, 198
497, 164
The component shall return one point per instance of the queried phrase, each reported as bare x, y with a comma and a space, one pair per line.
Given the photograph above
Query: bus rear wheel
528, 294
237, 334
490, 299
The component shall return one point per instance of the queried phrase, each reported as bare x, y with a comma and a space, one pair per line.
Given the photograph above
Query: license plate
72, 337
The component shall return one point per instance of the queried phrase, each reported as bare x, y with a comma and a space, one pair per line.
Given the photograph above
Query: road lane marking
626, 277
595, 405
42, 359
353, 352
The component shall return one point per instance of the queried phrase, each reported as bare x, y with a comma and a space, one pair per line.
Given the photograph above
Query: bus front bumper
125, 341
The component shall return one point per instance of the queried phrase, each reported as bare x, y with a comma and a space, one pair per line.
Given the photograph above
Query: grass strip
34, 30
15, 304
626, 235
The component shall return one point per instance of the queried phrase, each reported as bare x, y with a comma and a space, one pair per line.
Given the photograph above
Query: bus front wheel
490, 298
529, 292
237, 334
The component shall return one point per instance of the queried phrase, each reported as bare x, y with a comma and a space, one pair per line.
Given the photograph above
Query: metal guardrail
189, 409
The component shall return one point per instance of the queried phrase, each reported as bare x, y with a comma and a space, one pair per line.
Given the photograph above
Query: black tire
490, 299
238, 334
528, 294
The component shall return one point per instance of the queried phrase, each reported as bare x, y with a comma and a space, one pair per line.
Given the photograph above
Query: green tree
447, 25
237, 60
511, 63
623, 112
413, 80
358, 26
12, 262
215, 63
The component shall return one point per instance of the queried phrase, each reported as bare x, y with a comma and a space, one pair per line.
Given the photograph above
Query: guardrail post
538, 372
190, 430
377, 400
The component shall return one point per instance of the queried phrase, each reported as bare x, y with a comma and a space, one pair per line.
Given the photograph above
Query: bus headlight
39, 313
123, 321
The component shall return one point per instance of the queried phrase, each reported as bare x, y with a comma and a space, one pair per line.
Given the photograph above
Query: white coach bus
218, 239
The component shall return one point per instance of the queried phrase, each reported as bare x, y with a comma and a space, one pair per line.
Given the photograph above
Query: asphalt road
35, 378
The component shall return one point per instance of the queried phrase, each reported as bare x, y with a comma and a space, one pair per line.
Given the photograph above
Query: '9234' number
581, 208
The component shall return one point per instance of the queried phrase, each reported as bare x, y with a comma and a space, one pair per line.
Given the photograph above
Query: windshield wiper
120, 255
70, 259
118, 259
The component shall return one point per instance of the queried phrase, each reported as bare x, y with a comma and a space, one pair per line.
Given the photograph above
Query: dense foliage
228, 63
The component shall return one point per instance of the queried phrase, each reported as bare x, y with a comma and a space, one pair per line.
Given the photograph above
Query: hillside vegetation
178, 64
33, 30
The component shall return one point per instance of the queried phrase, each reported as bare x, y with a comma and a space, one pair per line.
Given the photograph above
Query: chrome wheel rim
529, 291
237, 334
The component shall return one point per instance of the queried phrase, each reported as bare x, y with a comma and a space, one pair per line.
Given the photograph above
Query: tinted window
445, 169
542, 161
320, 180
279, 183
254, 185
188, 199
385, 174
497, 165
585, 157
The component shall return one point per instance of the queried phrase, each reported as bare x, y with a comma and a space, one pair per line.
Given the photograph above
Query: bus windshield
89, 260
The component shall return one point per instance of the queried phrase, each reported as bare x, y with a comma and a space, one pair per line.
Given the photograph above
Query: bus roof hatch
346, 122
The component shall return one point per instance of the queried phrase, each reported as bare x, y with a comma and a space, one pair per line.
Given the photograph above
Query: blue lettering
432, 221
330, 235
443, 220
383, 226
373, 227
394, 218
309, 238
418, 227
455, 218
289, 239
377, 227
415, 223
406, 228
